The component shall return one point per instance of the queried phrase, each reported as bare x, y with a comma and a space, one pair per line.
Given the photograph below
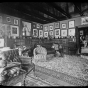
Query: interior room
43, 44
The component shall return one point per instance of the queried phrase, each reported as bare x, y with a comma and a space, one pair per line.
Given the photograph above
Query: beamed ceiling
44, 12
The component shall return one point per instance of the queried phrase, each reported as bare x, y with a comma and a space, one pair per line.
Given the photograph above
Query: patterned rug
71, 65
29, 81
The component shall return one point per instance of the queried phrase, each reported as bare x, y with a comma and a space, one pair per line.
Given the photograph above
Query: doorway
83, 40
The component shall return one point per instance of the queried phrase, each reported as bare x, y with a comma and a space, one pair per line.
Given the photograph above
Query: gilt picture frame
57, 33
40, 33
45, 34
35, 32
71, 24
63, 25
71, 32
57, 25
14, 31
64, 33
51, 27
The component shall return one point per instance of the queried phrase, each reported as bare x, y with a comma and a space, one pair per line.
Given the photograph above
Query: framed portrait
8, 19
63, 25
84, 20
46, 28
63, 33
40, 33
14, 31
71, 32
2, 42
35, 32
27, 28
57, 33
34, 25
45, 34
57, 25
51, 27
38, 25
51, 33
71, 24
0, 18
16, 21
41, 26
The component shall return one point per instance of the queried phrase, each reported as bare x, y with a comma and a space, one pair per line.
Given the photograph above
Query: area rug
71, 65
29, 81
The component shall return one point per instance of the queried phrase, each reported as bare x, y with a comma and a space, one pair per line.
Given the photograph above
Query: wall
77, 22
6, 26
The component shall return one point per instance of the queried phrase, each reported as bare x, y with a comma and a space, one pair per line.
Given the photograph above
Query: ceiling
44, 12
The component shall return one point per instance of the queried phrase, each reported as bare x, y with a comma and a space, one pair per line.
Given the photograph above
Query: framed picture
40, 33
46, 28
63, 25
45, 34
57, 33
14, 31
16, 21
84, 20
35, 32
34, 25
0, 18
71, 24
38, 26
26, 28
1, 42
41, 26
51, 33
63, 33
51, 27
71, 32
57, 25
8, 19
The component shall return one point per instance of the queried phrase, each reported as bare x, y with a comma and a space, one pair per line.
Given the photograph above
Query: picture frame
15, 21
63, 33
35, 32
40, 33
63, 25
41, 26
2, 42
38, 25
46, 28
0, 19
71, 32
34, 25
45, 34
14, 31
27, 28
84, 20
57, 33
51, 33
71, 24
57, 25
8, 19
51, 27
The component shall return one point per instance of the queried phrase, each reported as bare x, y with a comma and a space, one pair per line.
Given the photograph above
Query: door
77, 34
